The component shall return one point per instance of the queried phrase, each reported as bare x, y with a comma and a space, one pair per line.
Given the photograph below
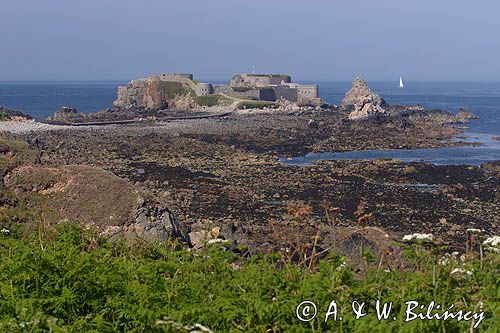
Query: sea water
42, 99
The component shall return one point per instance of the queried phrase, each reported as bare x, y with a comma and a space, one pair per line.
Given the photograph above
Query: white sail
401, 84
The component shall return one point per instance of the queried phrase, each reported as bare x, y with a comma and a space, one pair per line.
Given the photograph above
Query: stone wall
177, 75
267, 95
284, 92
278, 79
222, 89
249, 94
203, 89
258, 80
307, 91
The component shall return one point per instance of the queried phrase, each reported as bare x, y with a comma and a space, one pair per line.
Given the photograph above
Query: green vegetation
69, 279
14, 152
212, 100
255, 104
65, 278
243, 89
4, 116
173, 89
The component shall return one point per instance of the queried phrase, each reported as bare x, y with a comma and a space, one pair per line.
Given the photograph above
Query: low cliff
152, 93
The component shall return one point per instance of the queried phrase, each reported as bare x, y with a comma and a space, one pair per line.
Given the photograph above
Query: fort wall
259, 80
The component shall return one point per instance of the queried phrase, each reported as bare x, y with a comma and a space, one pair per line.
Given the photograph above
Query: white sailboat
401, 84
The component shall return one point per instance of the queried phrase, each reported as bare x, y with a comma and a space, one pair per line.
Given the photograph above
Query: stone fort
154, 91
269, 87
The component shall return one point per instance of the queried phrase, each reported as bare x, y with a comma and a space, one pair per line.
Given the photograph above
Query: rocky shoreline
221, 179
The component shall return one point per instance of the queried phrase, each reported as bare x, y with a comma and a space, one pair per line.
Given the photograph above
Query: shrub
77, 282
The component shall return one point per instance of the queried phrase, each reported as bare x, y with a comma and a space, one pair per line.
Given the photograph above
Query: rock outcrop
8, 114
362, 102
440, 117
160, 92
66, 113
141, 94
366, 109
360, 93
464, 116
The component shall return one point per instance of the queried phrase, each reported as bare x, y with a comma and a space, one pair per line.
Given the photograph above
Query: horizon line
77, 81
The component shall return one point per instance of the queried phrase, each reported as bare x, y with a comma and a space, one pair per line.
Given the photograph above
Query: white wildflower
492, 241
217, 241
416, 237
5, 231
474, 231
181, 327
444, 260
342, 265
461, 271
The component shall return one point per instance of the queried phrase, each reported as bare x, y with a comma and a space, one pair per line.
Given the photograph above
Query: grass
212, 100
243, 89
173, 89
79, 282
14, 152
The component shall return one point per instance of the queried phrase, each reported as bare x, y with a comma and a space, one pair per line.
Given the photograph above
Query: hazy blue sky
312, 40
